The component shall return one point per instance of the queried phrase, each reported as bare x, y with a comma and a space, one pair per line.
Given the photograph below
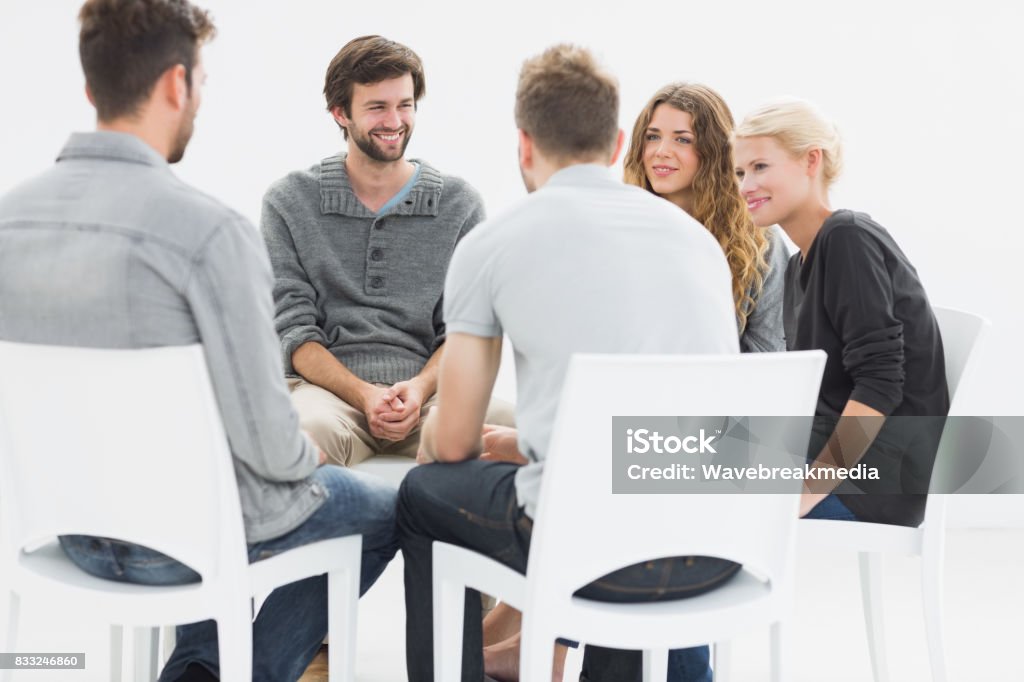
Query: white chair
128, 444
961, 334
583, 531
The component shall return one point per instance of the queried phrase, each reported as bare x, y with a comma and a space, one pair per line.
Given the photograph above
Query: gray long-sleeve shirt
109, 249
365, 286
763, 333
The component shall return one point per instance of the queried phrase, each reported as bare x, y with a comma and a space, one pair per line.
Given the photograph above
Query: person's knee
331, 434
415, 495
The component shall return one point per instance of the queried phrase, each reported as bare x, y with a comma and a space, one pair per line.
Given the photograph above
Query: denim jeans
473, 504
831, 508
293, 620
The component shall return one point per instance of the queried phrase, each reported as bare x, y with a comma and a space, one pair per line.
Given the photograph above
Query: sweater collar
337, 195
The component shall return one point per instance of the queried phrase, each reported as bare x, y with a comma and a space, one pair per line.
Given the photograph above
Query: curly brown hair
718, 204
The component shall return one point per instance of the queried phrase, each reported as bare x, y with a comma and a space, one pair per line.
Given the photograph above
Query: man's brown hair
367, 60
125, 45
568, 104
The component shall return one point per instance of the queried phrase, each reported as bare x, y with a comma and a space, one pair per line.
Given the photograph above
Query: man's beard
530, 187
182, 138
368, 145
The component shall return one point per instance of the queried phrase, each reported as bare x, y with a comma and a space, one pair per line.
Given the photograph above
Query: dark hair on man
125, 45
568, 104
367, 60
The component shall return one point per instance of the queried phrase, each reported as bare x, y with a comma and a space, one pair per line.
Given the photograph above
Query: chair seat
306, 561
48, 571
392, 468
674, 624
859, 536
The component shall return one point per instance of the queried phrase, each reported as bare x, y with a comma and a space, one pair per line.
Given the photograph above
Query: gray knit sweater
366, 286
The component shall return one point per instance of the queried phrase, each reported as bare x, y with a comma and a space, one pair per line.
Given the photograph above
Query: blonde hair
798, 126
718, 205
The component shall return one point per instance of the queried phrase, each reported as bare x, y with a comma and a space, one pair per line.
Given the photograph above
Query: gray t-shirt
586, 264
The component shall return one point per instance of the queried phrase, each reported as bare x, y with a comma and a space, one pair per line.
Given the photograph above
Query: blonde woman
852, 292
681, 150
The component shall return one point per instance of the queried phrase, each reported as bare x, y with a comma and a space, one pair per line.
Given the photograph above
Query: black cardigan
857, 297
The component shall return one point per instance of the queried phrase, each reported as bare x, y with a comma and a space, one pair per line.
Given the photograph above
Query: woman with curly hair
681, 150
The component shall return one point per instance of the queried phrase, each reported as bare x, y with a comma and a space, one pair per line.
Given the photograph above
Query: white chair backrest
126, 444
961, 332
583, 531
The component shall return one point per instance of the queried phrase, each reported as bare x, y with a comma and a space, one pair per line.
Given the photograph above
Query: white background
928, 96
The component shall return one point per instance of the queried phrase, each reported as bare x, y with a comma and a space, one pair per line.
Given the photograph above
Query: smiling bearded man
360, 245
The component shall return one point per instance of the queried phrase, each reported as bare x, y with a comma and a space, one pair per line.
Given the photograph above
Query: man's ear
339, 115
525, 150
88, 95
619, 141
172, 88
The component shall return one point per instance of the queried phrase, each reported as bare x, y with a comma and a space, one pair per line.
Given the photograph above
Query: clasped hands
393, 412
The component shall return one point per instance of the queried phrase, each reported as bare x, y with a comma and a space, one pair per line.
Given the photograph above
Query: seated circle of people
373, 311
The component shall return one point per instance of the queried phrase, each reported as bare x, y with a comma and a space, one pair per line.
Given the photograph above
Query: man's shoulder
454, 189
150, 201
303, 182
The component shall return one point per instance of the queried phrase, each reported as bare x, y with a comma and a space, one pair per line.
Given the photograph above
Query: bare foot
501, 660
501, 623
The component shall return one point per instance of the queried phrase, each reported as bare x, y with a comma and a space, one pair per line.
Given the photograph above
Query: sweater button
376, 282
376, 254
379, 225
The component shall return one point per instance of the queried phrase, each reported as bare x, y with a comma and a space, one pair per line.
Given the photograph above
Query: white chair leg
11, 603
871, 595
780, 666
342, 611
931, 596
721, 653
144, 660
449, 611
234, 639
169, 637
536, 652
116, 653
655, 665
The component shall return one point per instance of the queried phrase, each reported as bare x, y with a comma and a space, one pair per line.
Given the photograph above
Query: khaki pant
343, 434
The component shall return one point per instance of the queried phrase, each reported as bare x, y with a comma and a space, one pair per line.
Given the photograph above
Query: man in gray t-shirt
583, 264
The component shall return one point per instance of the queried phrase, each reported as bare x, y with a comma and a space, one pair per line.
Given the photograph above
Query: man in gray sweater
360, 245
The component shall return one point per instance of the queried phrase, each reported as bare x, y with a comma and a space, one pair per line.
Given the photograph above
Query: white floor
984, 622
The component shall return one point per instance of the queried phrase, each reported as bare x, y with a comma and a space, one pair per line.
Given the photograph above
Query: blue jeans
293, 620
473, 504
832, 509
